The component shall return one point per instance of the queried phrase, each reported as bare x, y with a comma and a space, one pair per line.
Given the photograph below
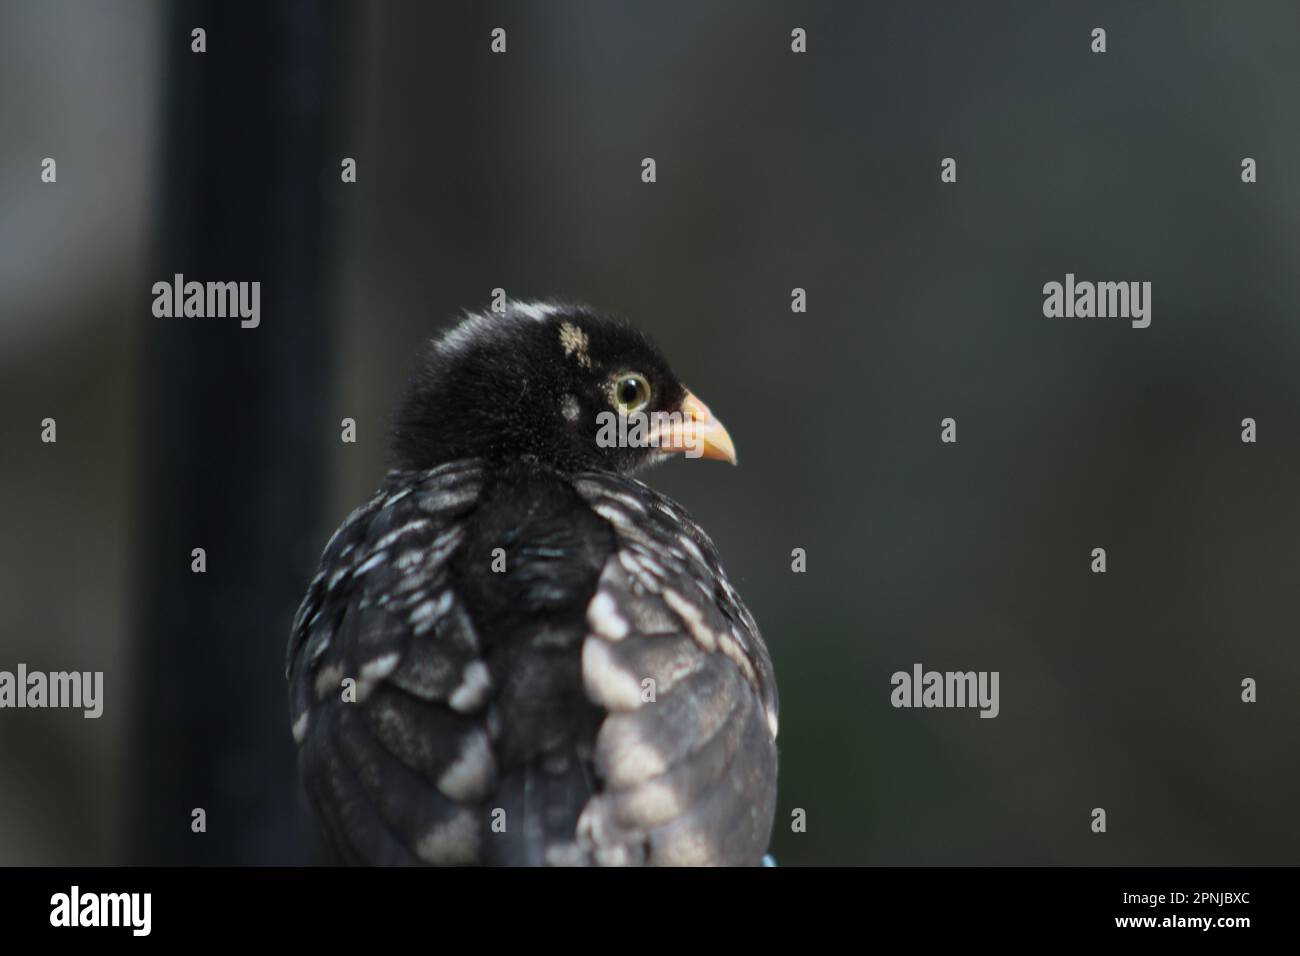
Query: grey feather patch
455, 841
473, 690
471, 775
606, 681
633, 746
604, 618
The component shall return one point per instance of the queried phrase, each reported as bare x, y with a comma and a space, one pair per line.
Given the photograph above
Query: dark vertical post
232, 428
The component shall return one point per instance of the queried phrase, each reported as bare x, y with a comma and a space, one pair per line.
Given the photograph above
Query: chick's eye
631, 392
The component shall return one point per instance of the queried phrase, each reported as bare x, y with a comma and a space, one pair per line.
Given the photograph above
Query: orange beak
699, 435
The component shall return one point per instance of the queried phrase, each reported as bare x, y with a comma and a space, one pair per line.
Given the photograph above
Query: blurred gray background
775, 170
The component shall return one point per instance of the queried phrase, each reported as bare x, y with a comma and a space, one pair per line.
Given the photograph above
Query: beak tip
715, 443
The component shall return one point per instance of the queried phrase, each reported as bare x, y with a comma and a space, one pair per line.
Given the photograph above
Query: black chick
517, 654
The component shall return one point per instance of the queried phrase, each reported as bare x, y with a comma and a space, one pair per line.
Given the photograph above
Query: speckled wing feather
689, 777
395, 773
408, 763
